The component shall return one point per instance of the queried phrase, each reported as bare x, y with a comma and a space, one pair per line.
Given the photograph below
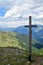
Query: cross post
30, 37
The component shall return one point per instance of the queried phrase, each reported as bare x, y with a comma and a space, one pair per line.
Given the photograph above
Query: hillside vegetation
13, 39
14, 49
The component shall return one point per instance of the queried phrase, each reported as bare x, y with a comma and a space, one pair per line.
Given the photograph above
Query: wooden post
30, 39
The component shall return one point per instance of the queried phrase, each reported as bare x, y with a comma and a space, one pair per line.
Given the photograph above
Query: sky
14, 13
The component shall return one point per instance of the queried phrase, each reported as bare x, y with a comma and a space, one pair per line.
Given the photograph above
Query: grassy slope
12, 39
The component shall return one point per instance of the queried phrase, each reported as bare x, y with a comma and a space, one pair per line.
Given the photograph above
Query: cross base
29, 58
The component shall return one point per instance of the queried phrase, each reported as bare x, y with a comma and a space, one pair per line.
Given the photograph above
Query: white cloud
39, 9
13, 24
19, 9
16, 10
40, 15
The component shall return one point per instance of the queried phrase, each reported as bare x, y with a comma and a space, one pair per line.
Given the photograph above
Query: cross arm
31, 26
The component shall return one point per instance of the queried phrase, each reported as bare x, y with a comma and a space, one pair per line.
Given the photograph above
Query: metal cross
30, 37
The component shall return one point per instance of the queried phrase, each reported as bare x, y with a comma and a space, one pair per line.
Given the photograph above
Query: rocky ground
15, 56
37, 60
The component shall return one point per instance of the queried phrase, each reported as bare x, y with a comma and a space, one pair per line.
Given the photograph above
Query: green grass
13, 39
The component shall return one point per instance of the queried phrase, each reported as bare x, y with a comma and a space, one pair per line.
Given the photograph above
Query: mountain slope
12, 39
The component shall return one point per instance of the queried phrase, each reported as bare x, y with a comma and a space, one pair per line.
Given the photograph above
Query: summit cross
30, 37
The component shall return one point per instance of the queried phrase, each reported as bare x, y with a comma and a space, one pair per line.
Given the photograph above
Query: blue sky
2, 11
14, 13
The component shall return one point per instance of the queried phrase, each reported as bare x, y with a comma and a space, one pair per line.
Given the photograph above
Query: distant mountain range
37, 33
22, 30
